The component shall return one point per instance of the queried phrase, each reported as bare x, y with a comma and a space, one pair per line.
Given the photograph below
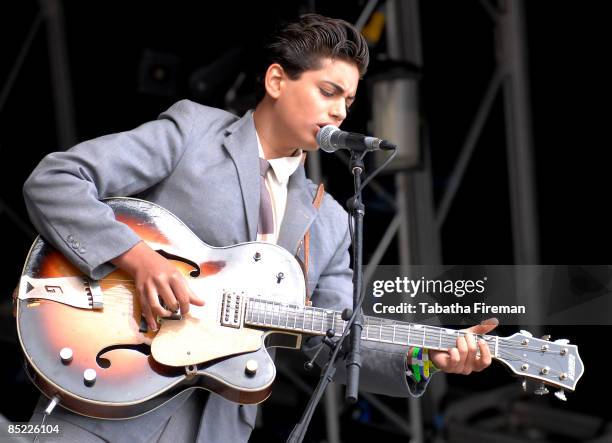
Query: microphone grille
324, 138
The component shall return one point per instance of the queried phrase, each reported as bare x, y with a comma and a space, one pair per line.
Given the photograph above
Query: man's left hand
463, 358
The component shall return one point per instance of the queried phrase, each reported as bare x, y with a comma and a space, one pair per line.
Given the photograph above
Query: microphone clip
327, 341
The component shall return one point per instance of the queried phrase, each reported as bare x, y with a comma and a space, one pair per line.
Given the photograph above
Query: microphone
331, 139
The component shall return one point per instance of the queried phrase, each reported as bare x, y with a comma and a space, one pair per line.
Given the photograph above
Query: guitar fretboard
317, 321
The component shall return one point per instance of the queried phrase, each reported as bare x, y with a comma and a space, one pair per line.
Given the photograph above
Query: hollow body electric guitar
87, 346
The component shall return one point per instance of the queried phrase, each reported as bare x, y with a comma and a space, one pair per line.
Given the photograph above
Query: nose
338, 111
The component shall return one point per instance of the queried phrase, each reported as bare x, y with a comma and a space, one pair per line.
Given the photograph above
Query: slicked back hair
300, 46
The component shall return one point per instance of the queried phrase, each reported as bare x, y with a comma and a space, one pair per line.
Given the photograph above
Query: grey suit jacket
200, 163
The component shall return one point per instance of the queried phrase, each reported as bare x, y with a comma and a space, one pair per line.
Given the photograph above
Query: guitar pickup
232, 308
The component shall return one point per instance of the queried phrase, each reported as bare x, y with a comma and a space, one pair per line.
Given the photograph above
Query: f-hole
195, 273
106, 363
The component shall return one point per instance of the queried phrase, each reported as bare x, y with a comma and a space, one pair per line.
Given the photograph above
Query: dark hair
299, 46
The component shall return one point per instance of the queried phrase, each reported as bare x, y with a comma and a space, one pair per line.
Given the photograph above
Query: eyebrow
338, 88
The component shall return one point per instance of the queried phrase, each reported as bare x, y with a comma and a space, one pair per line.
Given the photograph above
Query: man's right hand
156, 277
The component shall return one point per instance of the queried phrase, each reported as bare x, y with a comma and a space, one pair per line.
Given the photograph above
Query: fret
287, 318
333, 321
265, 309
304, 319
409, 325
277, 308
440, 344
313, 321
306, 312
281, 311
380, 327
323, 320
295, 317
394, 328
424, 333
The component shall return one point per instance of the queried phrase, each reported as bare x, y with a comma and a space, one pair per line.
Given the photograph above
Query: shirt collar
283, 167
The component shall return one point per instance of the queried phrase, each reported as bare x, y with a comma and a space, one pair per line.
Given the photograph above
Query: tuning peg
560, 394
542, 390
524, 385
526, 333
562, 341
546, 337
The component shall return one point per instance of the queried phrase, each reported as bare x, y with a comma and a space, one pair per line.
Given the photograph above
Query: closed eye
326, 93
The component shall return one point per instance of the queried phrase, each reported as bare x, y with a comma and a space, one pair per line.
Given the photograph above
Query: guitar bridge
232, 308
80, 292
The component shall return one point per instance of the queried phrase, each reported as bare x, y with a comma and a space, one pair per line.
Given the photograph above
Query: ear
275, 77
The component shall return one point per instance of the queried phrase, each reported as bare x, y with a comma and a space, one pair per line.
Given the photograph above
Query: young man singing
204, 165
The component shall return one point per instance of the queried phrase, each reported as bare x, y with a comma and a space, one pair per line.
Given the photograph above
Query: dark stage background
112, 47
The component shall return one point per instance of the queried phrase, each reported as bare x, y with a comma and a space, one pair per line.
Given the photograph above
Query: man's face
317, 98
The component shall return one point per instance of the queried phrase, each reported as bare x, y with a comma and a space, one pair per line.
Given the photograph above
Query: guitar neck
317, 321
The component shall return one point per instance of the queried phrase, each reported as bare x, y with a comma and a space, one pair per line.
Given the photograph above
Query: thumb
485, 326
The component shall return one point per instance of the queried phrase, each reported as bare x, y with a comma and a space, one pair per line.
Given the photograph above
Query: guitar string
318, 310
431, 331
320, 316
503, 353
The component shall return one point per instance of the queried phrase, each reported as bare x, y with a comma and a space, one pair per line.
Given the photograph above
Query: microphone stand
357, 210
353, 362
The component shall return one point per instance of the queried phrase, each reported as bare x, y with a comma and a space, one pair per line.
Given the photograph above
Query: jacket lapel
241, 143
299, 212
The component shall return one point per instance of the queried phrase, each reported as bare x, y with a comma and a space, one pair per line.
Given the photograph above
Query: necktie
266, 219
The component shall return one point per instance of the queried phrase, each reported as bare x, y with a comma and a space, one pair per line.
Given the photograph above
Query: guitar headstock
554, 363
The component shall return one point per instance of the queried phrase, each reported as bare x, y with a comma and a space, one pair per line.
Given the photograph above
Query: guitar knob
89, 377
251, 367
66, 355
542, 390
560, 394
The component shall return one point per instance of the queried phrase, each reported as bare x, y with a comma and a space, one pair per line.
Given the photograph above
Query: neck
317, 321
271, 141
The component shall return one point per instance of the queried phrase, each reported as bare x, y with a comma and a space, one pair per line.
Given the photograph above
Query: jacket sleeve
63, 193
383, 365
